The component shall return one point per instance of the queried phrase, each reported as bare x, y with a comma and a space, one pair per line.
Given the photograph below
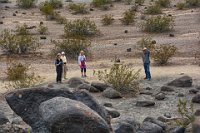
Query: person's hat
63, 53
144, 48
58, 54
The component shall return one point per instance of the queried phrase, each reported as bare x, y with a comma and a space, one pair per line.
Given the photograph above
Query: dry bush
193, 3
81, 28
78, 8
146, 42
122, 78
163, 3
158, 24
71, 47
26, 3
153, 10
128, 2
180, 5
22, 30
100, 3
60, 19
107, 19
163, 53
139, 2
46, 8
128, 17
42, 29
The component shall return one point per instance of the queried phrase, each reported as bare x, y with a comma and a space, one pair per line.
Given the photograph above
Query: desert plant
42, 29
163, 3
193, 3
4, 1
153, 10
99, 3
78, 8
180, 5
71, 47
26, 3
158, 24
128, 17
22, 30
46, 8
60, 19
81, 28
17, 43
163, 53
139, 2
187, 113
128, 2
146, 42
107, 19
122, 78
134, 8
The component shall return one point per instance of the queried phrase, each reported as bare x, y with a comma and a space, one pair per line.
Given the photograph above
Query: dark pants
147, 70
83, 70
59, 74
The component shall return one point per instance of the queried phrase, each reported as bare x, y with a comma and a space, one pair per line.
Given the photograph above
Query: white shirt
64, 59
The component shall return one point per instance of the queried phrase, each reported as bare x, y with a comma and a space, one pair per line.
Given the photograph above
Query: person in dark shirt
59, 68
146, 63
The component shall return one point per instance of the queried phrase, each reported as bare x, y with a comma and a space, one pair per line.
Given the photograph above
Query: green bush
26, 3
99, 3
46, 8
107, 19
193, 3
60, 19
80, 28
128, 2
21, 76
158, 24
134, 8
163, 53
56, 3
146, 42
163, 3
180, 5
17, 43
22, 30
139, 2
122, 78
78, 8
71, 47
128, 17
42, 29
153, 10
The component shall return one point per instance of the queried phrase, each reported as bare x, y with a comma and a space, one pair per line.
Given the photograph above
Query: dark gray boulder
184, 81
113, 112
149, 127
196, 98
25, 103
100, 86
179, 130
160, 96
87, 87
3, 118
70, 116
75, 82
111, 93
135, 124
123, 127
145, 103
167, 88
155, 121
107, 104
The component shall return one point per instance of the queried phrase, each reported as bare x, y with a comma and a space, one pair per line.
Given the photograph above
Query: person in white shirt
64, 59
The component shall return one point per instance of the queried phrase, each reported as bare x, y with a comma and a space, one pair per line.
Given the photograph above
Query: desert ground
186, 38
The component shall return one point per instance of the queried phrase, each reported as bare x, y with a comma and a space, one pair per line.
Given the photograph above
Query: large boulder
70, 116
100, 86
149, 127
184, 81
111, 93
196, 98
75, 82
113, 112
25, 103
3, 118
160, 96
123, 127
87, 87
155, 121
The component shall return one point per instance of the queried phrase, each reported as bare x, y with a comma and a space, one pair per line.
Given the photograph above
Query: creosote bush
163, 53
46, 8
81, 28
78, 8
158, 24
22, 30
122, 78
193, 3
71, 47
180, 5
99, 3
107, 19
26, 3
146, 42
42, 29
163, 3
153, 10
139, 2
128, 17
128, 2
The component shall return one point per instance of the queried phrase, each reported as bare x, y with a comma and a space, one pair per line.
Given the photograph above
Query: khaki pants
64, 70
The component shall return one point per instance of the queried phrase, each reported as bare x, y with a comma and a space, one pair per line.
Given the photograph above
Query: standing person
82, 63
146, 63
64, 59
59, 69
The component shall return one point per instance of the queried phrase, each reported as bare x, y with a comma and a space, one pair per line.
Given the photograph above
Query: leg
145, 70
60, 75
57, 75
82, 72
64, 71
85, 72
148, 71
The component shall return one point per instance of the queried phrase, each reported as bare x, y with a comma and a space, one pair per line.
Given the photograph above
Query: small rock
146, 93
192, 11
163, 119
91, 9
100, 86
3, 17
43, 37
1, 22
168, 115
171, 35
148, 88
7, 7
196, 98
179, 130
16, 11
184, 81
155, 121
169, 15
197, 112
23, 12
167, 88
75, 82
117, 60
160, 96
115, 44
87, 87
108, 105
111, 93
153, 42
133, 122
149, 127
14, 14
126, 31
112, 112
128, 50
145, 7
145, 103
193, 91
123, 127
181, 95
174, 5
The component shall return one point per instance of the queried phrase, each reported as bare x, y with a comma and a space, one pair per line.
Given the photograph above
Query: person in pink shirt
82, 63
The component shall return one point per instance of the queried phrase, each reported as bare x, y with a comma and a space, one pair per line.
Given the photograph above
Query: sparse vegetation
26, 3
81, 28
22, 30
78, 8
99, 3
128, 17
163, 53
153, 10
42, 29
158, 24
128, 2
180, 5
122, 78
46, 8
193, 3
71, 47
147, 42
163, 3
139, 2
107, 19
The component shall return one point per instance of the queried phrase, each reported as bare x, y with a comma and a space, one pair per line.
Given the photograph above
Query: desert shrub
128, 17
22, 30
192, 3
122, 78
60, 19
99, 3
180, 5
81, 28
163, 3
17, 43
21, 76
78, 8
128, 2
26, 3
134, 8
107, 19
55, 3
158, 24
146, 42
71, 47
186, 112
46, 8
42, 29
4, 1
153, 10
139, 2
163, 53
